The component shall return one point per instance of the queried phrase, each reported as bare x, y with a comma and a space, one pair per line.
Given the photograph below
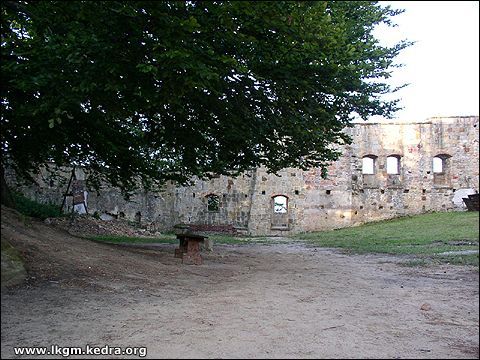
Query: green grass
426, 236
169, 238
237, 240
34, 209
166, 239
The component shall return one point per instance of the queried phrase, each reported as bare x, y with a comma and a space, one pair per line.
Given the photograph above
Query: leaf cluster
142, 92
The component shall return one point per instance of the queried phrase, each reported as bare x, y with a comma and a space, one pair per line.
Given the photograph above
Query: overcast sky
443, 66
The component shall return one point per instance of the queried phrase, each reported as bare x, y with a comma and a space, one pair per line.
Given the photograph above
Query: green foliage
34, 209
427, 236
165, 90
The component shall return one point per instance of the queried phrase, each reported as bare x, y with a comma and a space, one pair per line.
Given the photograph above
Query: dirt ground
246, 301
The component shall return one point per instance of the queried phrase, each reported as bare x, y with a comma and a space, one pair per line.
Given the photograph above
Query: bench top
191, 236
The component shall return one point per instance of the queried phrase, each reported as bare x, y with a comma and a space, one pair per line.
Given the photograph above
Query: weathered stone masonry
356, 190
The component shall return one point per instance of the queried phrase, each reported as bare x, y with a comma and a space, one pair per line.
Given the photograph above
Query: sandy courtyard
246, 301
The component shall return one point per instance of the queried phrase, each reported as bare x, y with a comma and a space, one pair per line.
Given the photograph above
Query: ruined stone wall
347, 197
155, 209
416, 189
234, 201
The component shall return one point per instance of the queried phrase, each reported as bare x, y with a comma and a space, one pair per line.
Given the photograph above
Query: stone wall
347, 197
416, 189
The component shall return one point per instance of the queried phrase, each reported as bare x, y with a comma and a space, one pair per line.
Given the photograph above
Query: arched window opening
441, 170
368, 165
280, 204
213, 202
280, 214
393, 165
438, 165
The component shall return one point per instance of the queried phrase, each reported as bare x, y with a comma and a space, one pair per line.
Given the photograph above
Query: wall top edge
429, 120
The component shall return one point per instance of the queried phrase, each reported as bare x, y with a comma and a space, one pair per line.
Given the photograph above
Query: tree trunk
6, 195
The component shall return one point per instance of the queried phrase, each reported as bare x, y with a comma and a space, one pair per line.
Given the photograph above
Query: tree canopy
167, 90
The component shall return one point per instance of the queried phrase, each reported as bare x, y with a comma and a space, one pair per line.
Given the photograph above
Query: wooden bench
189, 248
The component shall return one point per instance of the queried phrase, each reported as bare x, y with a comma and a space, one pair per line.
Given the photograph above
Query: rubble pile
87, 225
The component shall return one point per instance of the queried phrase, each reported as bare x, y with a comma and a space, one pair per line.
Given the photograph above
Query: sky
442, 67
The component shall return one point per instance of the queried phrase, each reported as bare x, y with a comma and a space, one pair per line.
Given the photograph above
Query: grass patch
35, 209
116, 239
471, 259
10, 251
13, 269
170, 238
426, 236
236, 240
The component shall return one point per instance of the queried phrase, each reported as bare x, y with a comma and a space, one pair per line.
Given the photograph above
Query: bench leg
182, 249
193, 253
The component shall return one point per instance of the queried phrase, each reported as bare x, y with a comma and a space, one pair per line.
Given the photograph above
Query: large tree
159, 90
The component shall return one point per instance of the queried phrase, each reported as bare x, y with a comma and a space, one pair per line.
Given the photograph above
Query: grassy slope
427, 236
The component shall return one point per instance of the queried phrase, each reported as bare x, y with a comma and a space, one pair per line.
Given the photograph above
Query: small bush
34, 209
